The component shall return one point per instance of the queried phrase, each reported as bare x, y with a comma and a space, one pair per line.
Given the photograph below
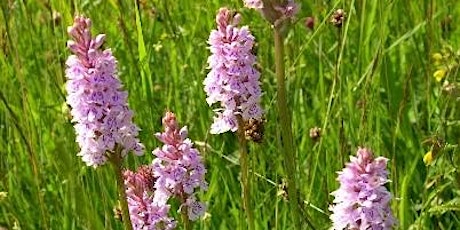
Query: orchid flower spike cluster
233, 80
362, 201
145, 213
103, 120
276, 12
178, 168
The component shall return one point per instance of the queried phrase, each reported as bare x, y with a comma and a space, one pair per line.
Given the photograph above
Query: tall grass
385, 98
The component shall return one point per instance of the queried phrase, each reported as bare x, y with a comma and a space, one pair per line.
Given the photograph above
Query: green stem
244, 174
342, 140
116, 161
185, 220
286, 129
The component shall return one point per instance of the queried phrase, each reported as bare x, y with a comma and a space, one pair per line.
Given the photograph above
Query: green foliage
369, 84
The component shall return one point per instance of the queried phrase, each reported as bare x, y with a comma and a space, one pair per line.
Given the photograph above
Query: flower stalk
245, 183
185, 220
116, 160
188, 225
286, 129
281, 15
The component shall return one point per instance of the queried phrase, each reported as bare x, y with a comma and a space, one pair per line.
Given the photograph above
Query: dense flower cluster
178, 168
233, 80
254, 4
289, 9
99, 105
145, 214
362, 201
276, 12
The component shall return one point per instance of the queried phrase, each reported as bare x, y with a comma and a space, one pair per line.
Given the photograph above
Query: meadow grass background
385, 98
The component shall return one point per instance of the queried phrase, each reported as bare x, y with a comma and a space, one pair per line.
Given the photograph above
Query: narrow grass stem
286, 129
32, 158
116, 161
340, 98
244, 164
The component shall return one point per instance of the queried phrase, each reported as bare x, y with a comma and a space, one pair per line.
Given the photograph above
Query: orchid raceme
233, 81
254, 4
274, 11
178, 168
362, 201
103, 120
144, 212
289, 9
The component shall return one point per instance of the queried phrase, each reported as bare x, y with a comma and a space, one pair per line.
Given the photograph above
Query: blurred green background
368, 84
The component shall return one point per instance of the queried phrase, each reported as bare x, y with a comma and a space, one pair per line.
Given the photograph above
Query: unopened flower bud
315, 133
254, 130
310, 23
338, 18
